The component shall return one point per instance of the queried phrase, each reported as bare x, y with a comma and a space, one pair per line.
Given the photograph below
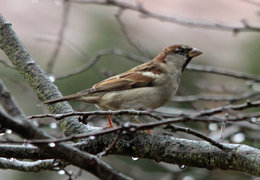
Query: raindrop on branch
253, 120
53, 125
92, 137
182, 166
213, 127
11, 159
51, 144
188, 178
52, 78
238, 138
8, 131
61, 172
135, 158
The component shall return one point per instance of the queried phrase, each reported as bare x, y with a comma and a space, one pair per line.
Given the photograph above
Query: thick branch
162, 148
63, 151
35, 76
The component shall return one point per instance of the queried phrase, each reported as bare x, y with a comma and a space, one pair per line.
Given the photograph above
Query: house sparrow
147, 86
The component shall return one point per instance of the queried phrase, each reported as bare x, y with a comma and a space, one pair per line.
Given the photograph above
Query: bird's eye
179, 51
182, 51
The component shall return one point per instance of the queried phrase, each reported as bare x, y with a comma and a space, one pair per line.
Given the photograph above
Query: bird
146, 86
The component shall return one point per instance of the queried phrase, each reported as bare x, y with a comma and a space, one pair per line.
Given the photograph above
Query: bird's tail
64, 98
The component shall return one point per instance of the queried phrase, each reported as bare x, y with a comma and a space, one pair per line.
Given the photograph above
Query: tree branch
35, 76
232, 98
64, 22
35, 166
163, 148
197, 24
42, 85
224, 72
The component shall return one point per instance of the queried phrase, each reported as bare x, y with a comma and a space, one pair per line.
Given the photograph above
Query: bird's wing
140, 76
123, 82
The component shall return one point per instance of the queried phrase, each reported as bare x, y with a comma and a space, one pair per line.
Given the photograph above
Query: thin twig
125, 127
8, 102
127, 35
179, 21
231, 98
54, 55
225, 72
157, 116
91, 113
5, 64
94, 59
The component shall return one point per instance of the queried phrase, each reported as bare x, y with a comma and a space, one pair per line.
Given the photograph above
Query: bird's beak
194, 52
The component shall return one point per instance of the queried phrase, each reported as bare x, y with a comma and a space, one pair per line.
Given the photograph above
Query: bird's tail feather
64, 98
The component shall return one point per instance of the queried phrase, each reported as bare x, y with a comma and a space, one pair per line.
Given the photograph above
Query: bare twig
100, 54
67, 42
157, 116
225, 72
91, 113
127, 35
8, 102
220, 109
5, 64
34, 166
54, 55
179, 21
125, 127
232, 98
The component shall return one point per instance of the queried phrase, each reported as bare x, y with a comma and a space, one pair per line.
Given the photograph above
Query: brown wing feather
123, 82
128, 80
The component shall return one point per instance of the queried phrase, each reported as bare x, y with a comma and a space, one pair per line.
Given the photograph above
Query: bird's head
178, 54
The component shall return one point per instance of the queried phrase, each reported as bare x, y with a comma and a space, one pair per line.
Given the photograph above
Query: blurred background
91, 28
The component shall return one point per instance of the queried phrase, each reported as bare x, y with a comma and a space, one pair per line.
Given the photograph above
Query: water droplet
132, 129
8, 131
182, 166
11, 159
61, 172
253, 119
51, 144
53, 125
188, 178
213, 126
52, 78
135, 158
124, 132
126, 125
92, 137
238, 138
